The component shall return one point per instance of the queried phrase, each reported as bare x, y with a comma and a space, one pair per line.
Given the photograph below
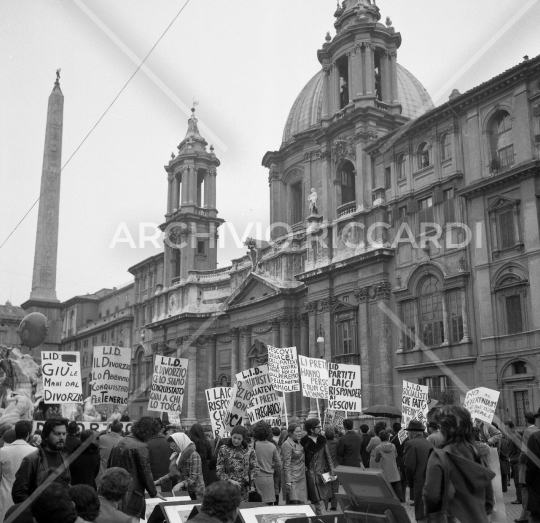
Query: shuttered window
513, 314
456, 317
506, 229
407, 311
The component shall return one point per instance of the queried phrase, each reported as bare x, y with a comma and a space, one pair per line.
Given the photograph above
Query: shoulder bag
442, 516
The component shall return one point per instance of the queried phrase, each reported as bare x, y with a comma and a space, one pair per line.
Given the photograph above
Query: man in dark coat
366, 438
348, 450
73, 441
415, 456
399, 460
160, 452
131, 453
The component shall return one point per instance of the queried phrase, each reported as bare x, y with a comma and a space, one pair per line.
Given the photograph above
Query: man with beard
50, 457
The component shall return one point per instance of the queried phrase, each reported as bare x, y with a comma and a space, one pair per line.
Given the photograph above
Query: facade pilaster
192, 174
393, 77
335, 88
170, 192
382, 291
350, 58
385, 77
185, 185
234, 333
369, 69
245, 337
465, 316
285, 330
313, 349
401, 344
327, 69
362, 295
212, 174
304, 351
191, 381
446, 322
211, 359
417, 339
358, 72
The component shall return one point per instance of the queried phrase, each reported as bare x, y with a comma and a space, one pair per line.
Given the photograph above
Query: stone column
384, 70
211, 360
465, 316
446, 323
393, 77
185, 185
191, 382
285, 330
336, 87
245, 336
358, 72
206, 202
234, 332
369, 69
304, 351
326, 90
362, 296
170, 192
350, 58
212, 187
382, 291
192, 185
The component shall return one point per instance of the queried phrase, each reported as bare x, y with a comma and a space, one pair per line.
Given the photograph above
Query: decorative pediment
342, 306
258, 353
253, 288
503, 201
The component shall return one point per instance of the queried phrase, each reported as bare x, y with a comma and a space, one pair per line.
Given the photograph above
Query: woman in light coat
269, 461
294, 468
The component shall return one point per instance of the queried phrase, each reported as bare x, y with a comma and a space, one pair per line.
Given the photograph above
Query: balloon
33, 329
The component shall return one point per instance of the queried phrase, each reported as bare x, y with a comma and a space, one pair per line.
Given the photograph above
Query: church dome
307, 109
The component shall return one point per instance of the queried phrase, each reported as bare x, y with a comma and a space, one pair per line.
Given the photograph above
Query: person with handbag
458, 483
294, 467
269, 461
319, 465
238, 463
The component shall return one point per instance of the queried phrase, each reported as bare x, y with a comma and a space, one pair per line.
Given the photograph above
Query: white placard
218, 400
314, 374
61, 377
168, 384
335, 418
283, 369
241, 395
265, 403
344, 387
110, 375
414, 403
482, 403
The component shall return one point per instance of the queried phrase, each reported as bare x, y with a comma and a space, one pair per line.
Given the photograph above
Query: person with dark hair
237, 462
159, 456
269, 462
220, 504
386, 456
204, 449
530, 418
54, 505
399, 460
435, 437
374, 442
294, 467
318, 462
364, 454
332, 442
276, 433
86, 501
472, 498
131, 453
85, 467
11, 457
73, 441
185, 466
113, 488
348, 451
50, 457
415, 457
105, 444
513, 456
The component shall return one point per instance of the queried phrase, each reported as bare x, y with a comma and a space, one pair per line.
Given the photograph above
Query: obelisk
43, 296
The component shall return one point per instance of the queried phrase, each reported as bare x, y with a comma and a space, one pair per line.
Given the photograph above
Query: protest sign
168, 384
481, 403
97, 426
335, 418
344, 387
414, 402
314, 373
402, 436
110, 375
218, 400
61, 377
283, 368
265, 403
240, 400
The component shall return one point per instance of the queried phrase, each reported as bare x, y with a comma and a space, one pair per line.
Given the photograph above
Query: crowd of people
103, 476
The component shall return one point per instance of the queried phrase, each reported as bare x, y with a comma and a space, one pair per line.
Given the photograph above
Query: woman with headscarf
238, 463
185, 466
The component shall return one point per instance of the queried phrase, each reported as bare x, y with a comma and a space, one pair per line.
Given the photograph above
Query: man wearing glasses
51, 456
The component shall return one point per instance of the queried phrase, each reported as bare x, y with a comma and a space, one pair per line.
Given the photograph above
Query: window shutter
513, 314
437, 196
412, 206
506, 225
449, 210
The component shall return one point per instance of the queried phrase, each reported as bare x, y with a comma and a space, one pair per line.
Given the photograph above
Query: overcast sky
245, 61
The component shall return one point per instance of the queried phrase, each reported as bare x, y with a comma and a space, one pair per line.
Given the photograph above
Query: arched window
296, 202
446, 147
400, 164
140, 385
431, 311
348, 186
423, 156
502, 142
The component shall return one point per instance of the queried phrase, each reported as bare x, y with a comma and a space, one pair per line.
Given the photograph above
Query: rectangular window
387, 178
506, 229
514, 319
149, 374
297, 203
425, 203
345, 337
521, 402
506, 157
456, 318
407, 311
390, 218
431, 320
448, 194
402, 212
201, 248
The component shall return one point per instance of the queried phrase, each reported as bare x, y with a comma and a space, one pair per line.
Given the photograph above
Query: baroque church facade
408, 240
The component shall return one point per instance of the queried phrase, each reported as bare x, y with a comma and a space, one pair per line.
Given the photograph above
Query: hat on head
239, 430
415, 426
433, 425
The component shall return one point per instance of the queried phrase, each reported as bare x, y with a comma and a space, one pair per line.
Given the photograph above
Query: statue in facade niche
312, 199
